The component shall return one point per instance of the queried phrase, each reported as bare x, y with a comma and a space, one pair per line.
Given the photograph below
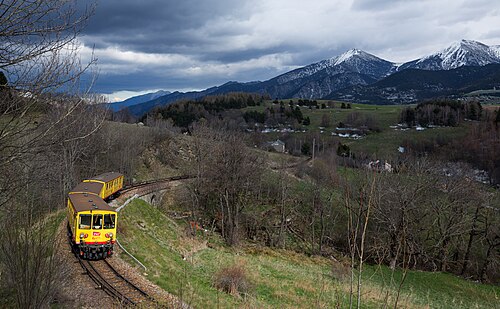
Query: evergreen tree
343, 150
282, 107
250, 101
3, 79
472, 115
298, 114
306, 149
452, 120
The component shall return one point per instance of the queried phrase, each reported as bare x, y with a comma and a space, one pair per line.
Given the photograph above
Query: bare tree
284, 200
227, 174
39, 58
41, 99
360, 200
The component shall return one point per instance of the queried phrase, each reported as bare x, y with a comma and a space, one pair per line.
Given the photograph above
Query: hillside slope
187, 266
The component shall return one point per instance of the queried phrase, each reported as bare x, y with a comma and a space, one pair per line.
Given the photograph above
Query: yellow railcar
95, 188
112, 182
92, 225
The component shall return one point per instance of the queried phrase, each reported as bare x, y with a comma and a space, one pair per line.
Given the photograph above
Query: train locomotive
91, 221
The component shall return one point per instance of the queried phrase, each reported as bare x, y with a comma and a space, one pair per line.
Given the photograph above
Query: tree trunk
443, 255
486, 263
472, 233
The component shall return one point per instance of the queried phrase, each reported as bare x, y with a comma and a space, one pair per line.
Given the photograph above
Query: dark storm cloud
140, 80
156, 26
194, 44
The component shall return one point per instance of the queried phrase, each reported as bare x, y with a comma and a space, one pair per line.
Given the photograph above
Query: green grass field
383, 144
186, 267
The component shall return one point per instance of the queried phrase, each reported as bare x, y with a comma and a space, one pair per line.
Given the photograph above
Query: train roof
92, 187
106, 177
86, 202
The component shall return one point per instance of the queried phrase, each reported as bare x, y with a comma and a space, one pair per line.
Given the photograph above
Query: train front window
97, 222
85, 222
109, 221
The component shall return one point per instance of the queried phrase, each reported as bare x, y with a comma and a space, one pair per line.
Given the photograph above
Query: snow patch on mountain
352, 61
496, 50
462, 53
348, 55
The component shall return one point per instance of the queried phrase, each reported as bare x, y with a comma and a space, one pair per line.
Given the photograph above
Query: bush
340, 271
232, 280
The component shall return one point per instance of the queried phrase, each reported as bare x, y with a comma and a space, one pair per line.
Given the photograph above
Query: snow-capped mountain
352, 61
462, 53
411, 86
354, 69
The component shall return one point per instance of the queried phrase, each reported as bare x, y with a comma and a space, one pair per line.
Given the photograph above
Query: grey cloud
170, 80
377, 5
211, 34
155, 26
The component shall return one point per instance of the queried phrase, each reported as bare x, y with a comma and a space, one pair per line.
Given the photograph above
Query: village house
277, 145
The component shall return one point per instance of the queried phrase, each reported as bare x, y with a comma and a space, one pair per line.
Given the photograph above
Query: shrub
232, 280
340, 271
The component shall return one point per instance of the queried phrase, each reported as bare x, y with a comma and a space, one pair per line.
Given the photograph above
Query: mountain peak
349, 54
460, 53
467, 45
465, 42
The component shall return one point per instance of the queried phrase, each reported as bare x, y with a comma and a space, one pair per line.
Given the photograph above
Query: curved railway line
107, 278
145, 184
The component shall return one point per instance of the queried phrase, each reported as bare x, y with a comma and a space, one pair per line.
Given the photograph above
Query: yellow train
108, 184
91, 221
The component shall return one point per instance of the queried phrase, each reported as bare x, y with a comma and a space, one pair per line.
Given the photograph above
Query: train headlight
81, 235
111, 235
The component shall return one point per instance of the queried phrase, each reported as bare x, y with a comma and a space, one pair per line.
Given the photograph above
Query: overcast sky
195, 44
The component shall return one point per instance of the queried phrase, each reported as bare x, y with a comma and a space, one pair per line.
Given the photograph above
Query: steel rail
102, 283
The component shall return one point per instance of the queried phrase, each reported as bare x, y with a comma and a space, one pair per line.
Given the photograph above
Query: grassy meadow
383, 144
187, 267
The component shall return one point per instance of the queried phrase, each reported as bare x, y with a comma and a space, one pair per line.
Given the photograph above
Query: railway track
152, 182
115, 285
107, 278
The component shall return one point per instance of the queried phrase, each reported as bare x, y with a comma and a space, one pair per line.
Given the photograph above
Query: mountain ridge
353, 68
412, 85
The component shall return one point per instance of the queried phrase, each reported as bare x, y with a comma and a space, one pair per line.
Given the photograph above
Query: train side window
109, 221
85, 222
97, 222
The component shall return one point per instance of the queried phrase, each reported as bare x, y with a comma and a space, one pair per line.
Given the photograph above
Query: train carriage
111, 182
95, 188
92, 225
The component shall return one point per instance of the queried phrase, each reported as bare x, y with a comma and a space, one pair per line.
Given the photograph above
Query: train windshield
109, 221
97, 222
85, 222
